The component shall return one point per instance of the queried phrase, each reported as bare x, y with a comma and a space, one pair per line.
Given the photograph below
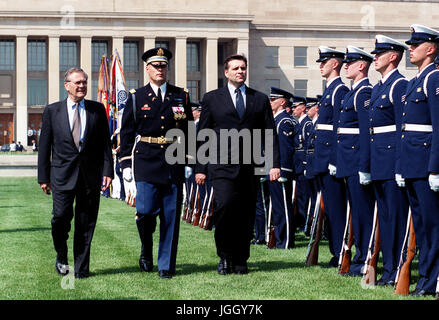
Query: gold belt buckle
161, 140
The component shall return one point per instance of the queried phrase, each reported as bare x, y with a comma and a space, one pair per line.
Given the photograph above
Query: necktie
76, 128
239, 103
159, 95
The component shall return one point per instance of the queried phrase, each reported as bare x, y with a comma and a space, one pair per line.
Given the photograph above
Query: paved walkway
20, 165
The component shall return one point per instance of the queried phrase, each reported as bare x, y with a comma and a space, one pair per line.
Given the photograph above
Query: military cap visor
420, 34
329, 55
158, 56
383, 47
351, 57
298, 101
276, 93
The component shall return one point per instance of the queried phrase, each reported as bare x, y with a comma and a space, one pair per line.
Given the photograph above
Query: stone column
118, 45
86, 62
242, 47
211, 64
148, 43
53, 69
21, 85
180, 62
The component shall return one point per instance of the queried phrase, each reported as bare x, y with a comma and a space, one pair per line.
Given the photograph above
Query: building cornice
128, 15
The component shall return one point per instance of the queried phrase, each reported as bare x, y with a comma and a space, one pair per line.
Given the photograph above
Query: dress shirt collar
420, 71
155, 88
387, 76
328, 83
356, 84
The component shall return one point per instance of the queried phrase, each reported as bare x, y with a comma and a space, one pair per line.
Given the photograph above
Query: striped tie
76, 128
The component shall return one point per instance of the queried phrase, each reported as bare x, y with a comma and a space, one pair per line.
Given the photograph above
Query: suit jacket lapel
250, 100
227, 99
89, 117
63, 118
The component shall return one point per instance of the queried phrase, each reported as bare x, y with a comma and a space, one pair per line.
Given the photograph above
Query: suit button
371, 120
425, 143
338, 141
402, 137
388, 147
371, 139
405, 102
162, 127
162, 117
353, 147
403, 113
162, 147
144, 115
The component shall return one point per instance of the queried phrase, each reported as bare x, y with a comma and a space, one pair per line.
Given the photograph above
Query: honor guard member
419, 153
324, 161
354, 117
302, 131
155, 184
385, 112
312, 107
281, 190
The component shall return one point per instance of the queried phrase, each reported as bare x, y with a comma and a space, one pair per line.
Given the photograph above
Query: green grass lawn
27, 260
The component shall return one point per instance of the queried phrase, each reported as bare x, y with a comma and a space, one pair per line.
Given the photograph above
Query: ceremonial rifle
370, 265
344, 262
189, 204
193, 207
312, 254
262, 180
209, 214
203, 210
271, 243
197, 210
402, 279
308, 220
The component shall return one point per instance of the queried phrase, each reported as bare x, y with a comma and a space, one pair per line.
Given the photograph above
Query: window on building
408, 64
36, 72
193, 65
193, 86
162, 44
300, 87
272, 57
7, 71
99, 48
225, 49
131, 64
300, 56
68, 58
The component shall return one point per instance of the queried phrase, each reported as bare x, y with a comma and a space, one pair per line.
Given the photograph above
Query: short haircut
234, 57
74, 70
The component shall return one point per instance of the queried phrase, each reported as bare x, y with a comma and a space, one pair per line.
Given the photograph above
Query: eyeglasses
77, 83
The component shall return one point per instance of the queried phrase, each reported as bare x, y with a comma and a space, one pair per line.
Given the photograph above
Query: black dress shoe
145, 265
61, 268
81, 275
421, 293
333, 262
240, 269
165, 274
224, 267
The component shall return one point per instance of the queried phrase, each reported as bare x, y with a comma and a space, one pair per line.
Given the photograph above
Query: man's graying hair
74, 70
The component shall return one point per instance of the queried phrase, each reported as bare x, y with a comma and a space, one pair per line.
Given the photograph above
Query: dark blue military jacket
285, 131
324, 140
386, 110
420, 150
302, 133
153, 119
354, 114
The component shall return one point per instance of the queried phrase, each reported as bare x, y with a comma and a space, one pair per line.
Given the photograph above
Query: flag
104, 82
118, 93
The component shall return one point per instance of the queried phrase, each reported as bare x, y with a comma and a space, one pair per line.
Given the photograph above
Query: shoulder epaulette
393, 87
426, 81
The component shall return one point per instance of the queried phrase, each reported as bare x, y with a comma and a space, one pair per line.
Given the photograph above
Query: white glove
130, 187
332, 170
399, 180
187, 172
433, 180
364, 178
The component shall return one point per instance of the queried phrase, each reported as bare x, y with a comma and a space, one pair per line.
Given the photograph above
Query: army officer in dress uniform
150, 112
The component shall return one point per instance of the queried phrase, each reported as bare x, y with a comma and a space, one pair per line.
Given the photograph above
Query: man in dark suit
156, 185
235, 107
74, 160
